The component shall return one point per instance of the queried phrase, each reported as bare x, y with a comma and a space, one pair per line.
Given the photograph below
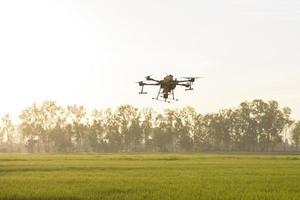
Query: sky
93, 52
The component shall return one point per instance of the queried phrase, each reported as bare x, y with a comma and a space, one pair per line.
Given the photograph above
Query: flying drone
167, 86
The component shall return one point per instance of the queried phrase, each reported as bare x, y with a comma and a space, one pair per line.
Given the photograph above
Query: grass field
149, 176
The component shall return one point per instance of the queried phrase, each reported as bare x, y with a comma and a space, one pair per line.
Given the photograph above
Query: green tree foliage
147, 124
184, 128
7, 130
296, 135
96, 131
252, 126
76, 118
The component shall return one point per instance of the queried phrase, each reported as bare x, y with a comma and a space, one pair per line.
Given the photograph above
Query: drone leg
142, 91
157, 94
173, 94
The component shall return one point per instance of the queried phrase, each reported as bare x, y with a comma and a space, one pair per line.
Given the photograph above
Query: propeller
192, 79
148, 77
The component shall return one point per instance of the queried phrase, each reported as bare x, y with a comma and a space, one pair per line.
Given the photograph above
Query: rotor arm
142, 84
151, 84
183, 81
148, 78
151, 79
185, 85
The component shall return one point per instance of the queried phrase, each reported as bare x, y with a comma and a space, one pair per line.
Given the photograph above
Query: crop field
149, 176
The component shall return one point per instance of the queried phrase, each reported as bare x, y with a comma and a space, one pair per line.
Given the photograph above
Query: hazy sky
92, 52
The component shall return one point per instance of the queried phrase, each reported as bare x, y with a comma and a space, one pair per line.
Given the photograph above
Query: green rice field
150, 176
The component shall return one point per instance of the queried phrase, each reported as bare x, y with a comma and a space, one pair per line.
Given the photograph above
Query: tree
260, 124
31, 127
202, 138
96, 132
128, 116
135, 135
296, 135
76, 117
253, 126
112, 132
184, 126
61, 137
147, 127
52, 120
220, 127
1, 135
7, 130
274, 122
250, 123
164, 136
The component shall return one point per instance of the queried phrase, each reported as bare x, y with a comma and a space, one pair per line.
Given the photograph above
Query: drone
167, 86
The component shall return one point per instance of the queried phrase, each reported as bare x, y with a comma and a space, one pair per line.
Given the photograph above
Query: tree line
255, 126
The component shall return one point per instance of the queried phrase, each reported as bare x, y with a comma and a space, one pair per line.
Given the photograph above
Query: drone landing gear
161, 100
189, 89
172, 92
157, 97
165, 96
142, 91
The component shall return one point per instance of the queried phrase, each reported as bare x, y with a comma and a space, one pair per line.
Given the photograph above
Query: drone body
167, 86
